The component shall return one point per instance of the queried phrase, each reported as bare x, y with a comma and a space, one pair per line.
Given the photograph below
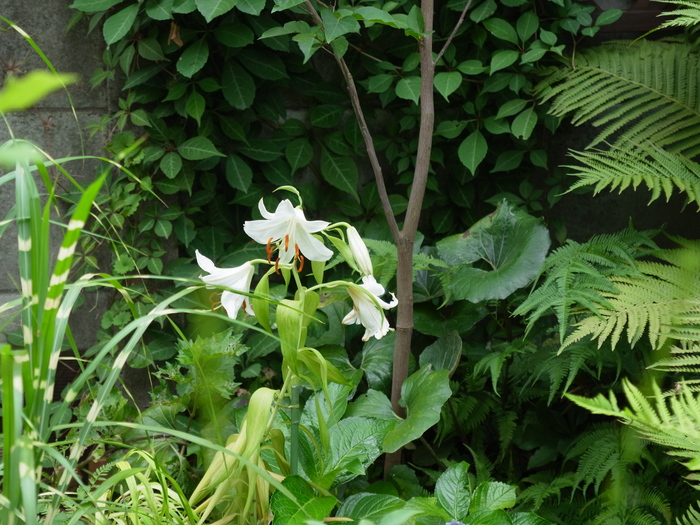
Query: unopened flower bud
359, 252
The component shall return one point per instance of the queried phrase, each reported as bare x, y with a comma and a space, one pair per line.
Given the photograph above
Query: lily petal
238, 278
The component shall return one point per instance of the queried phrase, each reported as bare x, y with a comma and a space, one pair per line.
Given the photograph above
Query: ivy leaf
423, 395
171, 164
193, 58
238, 86
524, 124
213, 8
502, 59
340, 172
307, 505
335, 24
448, 82
408, 88
473, 150
501, 29
119, 24
511, 243
299, 153
238, 173
198, 148
452, 490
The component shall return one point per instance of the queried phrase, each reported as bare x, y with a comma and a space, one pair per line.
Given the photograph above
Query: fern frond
634, 92
660, 171
691, 517
545, 485
576, 274
687, 16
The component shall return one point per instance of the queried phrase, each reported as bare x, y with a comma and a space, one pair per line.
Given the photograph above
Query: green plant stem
294, 431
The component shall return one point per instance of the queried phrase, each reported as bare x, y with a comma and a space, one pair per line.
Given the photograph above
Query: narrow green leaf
379, 83
261, 150
238, 85
119, 24
473, 150
527, 25
508, 160
195, 106
299, 153
501, 29
511, 107
502, 59
608, 17
340, 172
23, 92
238, 173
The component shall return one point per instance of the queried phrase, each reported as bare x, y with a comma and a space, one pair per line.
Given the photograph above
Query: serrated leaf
502, 59
524, 124
238, 173
473, 150
501, 29
369, 506
198, 148
193, 58
299, 153
238, 86
307, 505
213, 8
447, 83
340, 172
119, 24
408, 88
171, 164
453, 492
423, 395
511, 242
492, 495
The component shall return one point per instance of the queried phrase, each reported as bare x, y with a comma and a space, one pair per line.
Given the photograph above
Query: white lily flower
289, 229
366, 307
359, 251
238, 278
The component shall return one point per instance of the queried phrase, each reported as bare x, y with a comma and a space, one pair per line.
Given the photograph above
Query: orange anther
269, 249
286, 243
301, 263
277, 265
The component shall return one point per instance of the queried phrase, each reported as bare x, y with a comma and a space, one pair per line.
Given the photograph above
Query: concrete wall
56, 124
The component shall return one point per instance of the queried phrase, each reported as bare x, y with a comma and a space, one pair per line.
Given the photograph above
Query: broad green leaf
335, 25
238, 173
408, 88
377, 361
140, 76
233, 129
340, 172
299, 153
608, 17
532, 55
527, 25
492, 495
355, 445
326, 115
379, 83
490, 517
415, 22
423, 395
548, 37
443, 354
496, 126
261, 150
93, 6
159, 9
213, 8
450, 129
511, 107
510, 242
307, 505
459, 317
369, 506
268, 66
373, 404
539, 158
238, 85
193, 58
119, 24
501, 29
483, 11
171, 164
502, 59
23, 92
234, 34
150, 49
429, 507
448, 82
184, 6
289, 28
198, 148
195, 106
473, 150
250, 7
508, 160
472, 67
374, 14
524, 124
527, 518
453, 492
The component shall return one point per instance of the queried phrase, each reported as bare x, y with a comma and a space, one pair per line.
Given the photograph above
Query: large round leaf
509, 246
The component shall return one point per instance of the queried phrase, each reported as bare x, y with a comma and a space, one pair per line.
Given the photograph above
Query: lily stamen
269, 249
277, 266
286, 243
301, 264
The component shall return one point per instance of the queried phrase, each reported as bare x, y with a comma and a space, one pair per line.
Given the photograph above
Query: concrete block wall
57, 123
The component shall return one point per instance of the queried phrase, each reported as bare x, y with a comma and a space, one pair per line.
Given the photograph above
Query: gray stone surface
57, 123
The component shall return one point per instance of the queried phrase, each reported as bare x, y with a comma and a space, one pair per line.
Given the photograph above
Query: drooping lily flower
290, 231
366, 307
359, 251
238, 278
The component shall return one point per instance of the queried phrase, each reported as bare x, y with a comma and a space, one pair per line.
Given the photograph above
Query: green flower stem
294, 431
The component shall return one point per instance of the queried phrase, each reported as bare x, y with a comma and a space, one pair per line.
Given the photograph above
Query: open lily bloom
238, 278
366, 307
359, 251
288, 228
